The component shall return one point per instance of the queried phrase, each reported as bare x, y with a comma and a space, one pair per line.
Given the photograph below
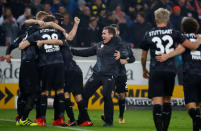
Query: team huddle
47, 64
46, 55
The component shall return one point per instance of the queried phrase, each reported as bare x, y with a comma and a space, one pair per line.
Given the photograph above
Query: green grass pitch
136, 120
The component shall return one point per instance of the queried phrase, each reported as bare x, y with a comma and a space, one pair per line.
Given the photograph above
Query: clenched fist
76, 20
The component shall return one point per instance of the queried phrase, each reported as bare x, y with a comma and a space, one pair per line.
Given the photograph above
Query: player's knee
190, 105
67, 95
112, 94
78, 98
60, 91
198, 105
167, 99
45, 93
157, 100
122, 96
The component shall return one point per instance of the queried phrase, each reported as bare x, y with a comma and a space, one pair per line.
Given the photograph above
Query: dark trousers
93, 83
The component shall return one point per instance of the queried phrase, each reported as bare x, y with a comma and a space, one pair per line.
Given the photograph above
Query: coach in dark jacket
104, 70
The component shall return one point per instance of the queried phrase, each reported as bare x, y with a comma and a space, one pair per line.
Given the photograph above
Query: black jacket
106, 63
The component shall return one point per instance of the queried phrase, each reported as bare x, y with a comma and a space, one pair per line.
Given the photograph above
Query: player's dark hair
110, 29
49, 18
189, 25
59, 17
142, 14
115, 26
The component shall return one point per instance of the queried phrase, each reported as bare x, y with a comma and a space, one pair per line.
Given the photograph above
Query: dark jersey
106, 63
48, 54
69, 63
192, 58
30, 53
130, 59
162, 40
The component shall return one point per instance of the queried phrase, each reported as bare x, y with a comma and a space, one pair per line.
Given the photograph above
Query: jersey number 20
163, 49
48, 37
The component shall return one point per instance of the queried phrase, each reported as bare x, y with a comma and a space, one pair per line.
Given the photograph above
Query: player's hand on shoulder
146, 74
162, 57
41, 23
76, 20
39, 43
117, 55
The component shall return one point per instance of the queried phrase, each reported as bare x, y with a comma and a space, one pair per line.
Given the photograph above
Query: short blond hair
162, 15
41, 14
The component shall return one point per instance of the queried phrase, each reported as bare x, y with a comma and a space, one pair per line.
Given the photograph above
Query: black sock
192, 112
121, 108
157, 115
20, 106
28, 105
38, 108
61, 104
167, 111
55, 106
69, 109
83, 113
197, 111
198, 118
43, 105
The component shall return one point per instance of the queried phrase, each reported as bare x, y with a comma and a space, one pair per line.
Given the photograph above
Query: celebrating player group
47, 64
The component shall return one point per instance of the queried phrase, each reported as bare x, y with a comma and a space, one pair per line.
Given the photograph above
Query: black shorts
161, 84
29, 77
74, 80
192, 88
52, 77
120, 83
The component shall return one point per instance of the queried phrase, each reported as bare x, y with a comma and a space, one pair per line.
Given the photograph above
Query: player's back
31, 52
48, 54
192, 58
162, 40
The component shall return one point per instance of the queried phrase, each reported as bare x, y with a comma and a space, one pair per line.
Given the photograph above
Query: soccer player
121, 78
51, 67
191, 70
29, 60
28, 84
104, 70
161, 39
73, 80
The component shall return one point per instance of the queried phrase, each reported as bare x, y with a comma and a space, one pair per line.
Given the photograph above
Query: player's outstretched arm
73, 32
33, 21
51, 42
91, 51
23, 44
163, 57
144, 62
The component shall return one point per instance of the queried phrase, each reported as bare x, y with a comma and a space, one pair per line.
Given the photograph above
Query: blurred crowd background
134, 17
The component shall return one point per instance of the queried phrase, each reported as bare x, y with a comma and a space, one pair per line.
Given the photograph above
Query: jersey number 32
163, 48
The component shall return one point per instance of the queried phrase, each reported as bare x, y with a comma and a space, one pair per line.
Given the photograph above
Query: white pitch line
70, 128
